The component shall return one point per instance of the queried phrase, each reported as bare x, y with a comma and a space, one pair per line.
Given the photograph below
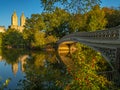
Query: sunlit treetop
74, 6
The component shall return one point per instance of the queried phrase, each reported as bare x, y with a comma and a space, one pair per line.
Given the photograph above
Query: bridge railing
113, 76
112, 34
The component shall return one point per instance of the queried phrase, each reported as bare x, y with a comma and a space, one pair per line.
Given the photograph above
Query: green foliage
1, 36
51, 40
42, 73
84, 74
12, 55
39, 28
35, 31
60, 22
70, 5
5, 84
90, 21
77, 23
113, 17
35, 23
57, 22
39, 39
95, 19
13, 38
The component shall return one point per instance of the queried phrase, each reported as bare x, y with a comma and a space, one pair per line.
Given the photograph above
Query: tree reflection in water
13, 57
11, 60
47, 70
43, 71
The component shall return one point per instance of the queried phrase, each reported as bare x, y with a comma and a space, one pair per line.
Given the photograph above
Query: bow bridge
107, 42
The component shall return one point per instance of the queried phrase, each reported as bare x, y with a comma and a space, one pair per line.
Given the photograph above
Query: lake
31, 70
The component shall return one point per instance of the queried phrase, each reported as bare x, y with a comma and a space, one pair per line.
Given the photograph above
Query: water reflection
66, 58
35, 70
12, 66
43, 72
13, 58
32, 70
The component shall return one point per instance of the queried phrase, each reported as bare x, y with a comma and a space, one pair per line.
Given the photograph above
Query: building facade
14, 22
2, 29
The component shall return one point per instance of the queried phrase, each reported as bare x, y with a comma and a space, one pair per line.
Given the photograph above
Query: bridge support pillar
71, 47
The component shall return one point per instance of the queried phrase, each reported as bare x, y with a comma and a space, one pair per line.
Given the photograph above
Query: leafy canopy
70, 5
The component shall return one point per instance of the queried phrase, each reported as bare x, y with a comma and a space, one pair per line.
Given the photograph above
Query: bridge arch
107, 42
66, 46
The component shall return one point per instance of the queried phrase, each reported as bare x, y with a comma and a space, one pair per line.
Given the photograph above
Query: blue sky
110, 3
7, 7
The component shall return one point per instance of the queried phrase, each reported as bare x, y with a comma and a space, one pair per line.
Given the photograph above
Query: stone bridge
107, 42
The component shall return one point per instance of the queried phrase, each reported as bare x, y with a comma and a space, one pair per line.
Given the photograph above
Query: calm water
28, 70
31, 70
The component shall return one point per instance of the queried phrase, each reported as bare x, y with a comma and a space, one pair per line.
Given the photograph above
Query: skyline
7, 8
27, 7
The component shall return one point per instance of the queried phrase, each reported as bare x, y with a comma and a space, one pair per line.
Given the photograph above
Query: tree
57, 22
84, 73
33, 32
39, 39
95, 19
35, 23
1, 35
13, 38
36, 28
113, 17
70, 5
43, 74
77, 23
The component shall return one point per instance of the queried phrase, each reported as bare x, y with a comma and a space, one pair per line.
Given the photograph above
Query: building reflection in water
19, 62
22, 60
15, 65
1, 58
14, 68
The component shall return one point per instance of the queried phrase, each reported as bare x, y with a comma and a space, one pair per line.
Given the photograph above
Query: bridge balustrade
108, 52
101, 34
110, 75
105, 41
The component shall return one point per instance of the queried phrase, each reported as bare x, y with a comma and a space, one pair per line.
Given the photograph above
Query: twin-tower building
14, 22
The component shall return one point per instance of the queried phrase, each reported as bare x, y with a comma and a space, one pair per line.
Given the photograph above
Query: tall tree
113, 16
95, 19
13, 38
33, 30
36, 27
57, 22
35, 22
77, 23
